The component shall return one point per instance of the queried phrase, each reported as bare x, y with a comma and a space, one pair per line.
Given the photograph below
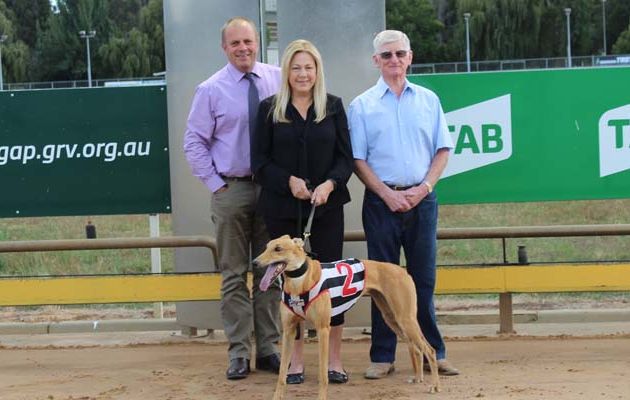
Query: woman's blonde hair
319, 89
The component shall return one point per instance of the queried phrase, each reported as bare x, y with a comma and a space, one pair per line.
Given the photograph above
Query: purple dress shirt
216, 142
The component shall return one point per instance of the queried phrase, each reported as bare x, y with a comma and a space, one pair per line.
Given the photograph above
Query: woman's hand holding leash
321, 193
299, 189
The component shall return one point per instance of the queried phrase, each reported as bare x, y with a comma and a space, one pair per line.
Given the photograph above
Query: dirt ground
552, 368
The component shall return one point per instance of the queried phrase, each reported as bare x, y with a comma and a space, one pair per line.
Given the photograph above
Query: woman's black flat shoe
295, 379
337, 377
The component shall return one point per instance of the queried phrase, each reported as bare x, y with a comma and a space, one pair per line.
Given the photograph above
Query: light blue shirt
398, 137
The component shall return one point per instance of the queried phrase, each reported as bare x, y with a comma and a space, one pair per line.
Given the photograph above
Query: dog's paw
433, 389
413, 379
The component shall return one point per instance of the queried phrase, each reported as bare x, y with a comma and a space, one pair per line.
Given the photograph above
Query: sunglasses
386, 55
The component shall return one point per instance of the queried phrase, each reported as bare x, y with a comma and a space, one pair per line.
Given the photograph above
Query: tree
126, 57
501, 29
152, 24
29, 14
6, 20
418, 19
124, 13
15, 53
622, 45
508, 29
15, 57
617, 16
139, 52
552, 41
60, 51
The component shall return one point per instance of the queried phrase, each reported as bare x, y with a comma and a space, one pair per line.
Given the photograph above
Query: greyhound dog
315, 291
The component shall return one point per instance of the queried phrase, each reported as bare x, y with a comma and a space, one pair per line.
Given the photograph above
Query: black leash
307, 247
307, 231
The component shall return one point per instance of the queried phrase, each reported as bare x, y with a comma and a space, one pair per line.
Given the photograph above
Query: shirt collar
238, 75
382, 87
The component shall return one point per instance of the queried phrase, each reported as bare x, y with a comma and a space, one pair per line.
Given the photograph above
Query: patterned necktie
252, 101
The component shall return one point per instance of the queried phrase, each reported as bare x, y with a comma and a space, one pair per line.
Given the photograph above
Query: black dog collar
296, 273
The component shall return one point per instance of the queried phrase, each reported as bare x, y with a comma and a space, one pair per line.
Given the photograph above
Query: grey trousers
239, 228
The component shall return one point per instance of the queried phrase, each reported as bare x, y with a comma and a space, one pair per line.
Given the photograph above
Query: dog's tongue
268, 279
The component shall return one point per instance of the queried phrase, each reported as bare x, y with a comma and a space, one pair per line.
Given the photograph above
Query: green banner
535, 135
84, 152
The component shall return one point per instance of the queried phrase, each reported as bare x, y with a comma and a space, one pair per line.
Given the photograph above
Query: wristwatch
429, 186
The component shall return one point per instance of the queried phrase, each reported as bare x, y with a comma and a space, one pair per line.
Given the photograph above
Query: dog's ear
298, 242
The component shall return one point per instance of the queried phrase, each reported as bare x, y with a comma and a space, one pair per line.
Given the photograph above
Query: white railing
528, 63
146, 81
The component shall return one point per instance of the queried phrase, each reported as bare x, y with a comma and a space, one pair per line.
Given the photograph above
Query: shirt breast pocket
377, 124
224, 119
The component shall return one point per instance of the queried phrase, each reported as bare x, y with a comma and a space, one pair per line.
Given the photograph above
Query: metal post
604, 24
506, 314
156, 260
87, 35
89, 64
262, 51
466, 18
2, 39
567, 12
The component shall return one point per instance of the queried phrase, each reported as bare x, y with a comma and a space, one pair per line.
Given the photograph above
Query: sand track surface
519, 368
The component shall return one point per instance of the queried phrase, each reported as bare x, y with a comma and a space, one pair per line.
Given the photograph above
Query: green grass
81, 262
538, 249
449, 251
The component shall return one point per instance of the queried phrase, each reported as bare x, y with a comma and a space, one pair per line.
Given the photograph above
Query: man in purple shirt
217, 148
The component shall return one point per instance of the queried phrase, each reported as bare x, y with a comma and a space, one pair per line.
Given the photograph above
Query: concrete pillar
343, 32
193, 53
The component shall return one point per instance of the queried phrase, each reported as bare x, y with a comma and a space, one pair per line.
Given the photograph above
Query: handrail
518, 232
110, 243
349, 236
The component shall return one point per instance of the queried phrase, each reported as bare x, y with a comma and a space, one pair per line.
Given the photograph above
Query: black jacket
305, 149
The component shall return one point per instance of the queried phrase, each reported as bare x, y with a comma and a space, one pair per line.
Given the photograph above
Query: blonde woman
301, 156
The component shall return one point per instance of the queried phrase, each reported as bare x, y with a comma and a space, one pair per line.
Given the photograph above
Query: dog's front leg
289, 325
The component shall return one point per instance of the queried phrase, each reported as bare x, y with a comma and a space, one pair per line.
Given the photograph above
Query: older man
217, 146
400, 143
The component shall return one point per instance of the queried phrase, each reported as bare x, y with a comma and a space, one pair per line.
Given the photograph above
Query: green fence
84, 152
519, 136
536, 135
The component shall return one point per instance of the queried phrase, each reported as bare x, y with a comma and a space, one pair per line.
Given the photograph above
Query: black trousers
326, 237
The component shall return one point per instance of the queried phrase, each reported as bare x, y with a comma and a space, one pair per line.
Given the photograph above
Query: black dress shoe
295, 379
238, 369
337, 377
269, 363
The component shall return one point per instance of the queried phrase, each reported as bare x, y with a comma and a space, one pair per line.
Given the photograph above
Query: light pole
466, 18
2, 39
567, 12
87, 36
604, 23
